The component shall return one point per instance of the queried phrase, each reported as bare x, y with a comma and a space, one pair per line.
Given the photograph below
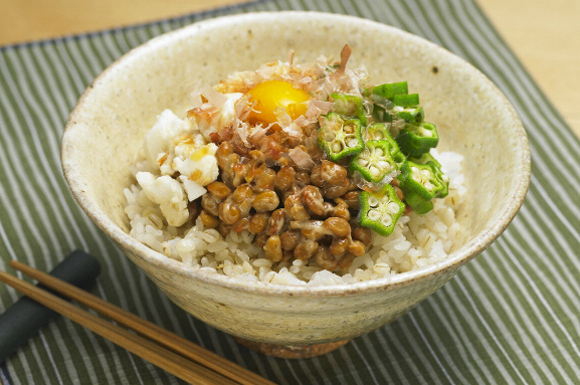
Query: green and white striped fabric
509, 316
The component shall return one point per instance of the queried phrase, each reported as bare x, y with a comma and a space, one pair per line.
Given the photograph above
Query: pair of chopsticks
178, 356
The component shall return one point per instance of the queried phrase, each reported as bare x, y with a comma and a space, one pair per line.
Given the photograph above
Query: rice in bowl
161, 217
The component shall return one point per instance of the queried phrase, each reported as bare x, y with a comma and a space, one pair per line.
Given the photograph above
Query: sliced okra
420, 179
380, 211
380, 131
340, 137
406, 100
349, 105
375, 162
416, 139
427, 158
389, 90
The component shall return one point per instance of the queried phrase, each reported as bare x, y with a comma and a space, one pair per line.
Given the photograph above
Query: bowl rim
451, 263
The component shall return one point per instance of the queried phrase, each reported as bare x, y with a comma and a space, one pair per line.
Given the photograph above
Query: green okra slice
381, 114
382, 98
416, 139
420, 179
380, 211
388, 90
380, 131
418, 204
444, 179
427, 158
407, 100
340, 137
410, 114
349, 105
375, 161
414, 114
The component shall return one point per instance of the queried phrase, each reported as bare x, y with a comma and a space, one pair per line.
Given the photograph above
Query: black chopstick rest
25, 317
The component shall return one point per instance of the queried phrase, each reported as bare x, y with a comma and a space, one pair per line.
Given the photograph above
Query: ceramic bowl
107, 127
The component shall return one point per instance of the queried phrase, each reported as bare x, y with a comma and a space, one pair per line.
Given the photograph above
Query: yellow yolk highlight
273, 94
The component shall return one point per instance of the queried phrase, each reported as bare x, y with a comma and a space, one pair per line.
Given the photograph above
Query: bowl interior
108, 126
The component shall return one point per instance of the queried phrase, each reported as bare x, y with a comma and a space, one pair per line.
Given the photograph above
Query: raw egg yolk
272, 94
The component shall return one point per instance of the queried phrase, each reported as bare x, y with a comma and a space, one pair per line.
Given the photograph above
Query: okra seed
392, 208
352, 142
376, 135
375, 171
387, 220
373, 201
384, 165
374, 215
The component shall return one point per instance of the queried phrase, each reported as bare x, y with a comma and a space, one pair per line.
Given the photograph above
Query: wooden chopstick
164, 358
148, 329
161, 336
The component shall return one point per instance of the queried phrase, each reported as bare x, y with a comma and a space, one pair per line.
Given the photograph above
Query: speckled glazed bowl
108, 125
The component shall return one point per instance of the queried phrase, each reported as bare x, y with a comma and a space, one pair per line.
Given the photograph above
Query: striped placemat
510, 316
